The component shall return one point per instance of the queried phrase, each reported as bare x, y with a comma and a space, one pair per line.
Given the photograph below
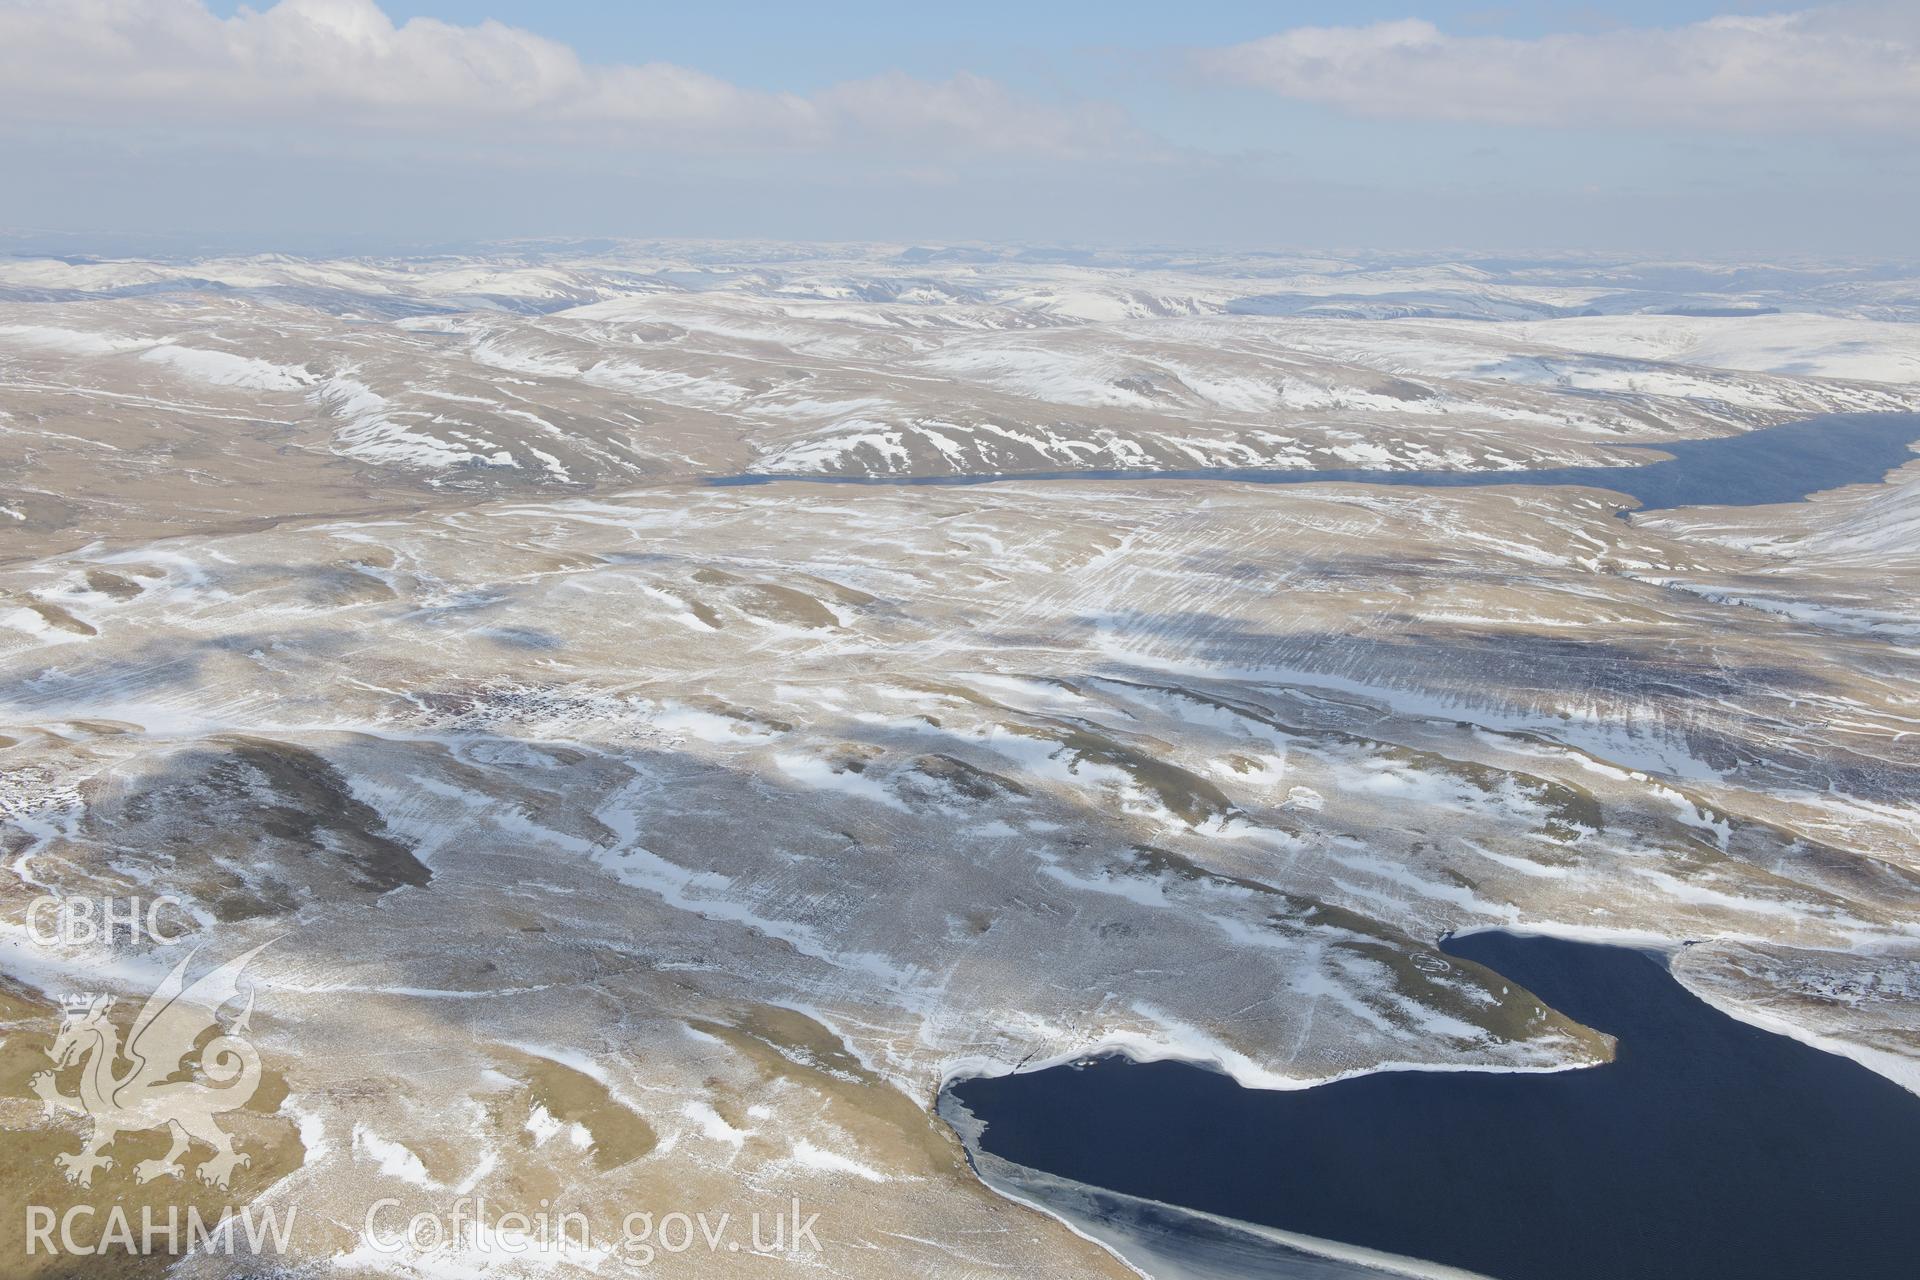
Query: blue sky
1686, 127
804, 46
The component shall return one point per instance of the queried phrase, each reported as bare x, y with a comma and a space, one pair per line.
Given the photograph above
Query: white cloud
1842, 68
329, 65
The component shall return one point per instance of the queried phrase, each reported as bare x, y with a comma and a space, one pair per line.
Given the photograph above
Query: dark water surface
1773, 464
1708, 1149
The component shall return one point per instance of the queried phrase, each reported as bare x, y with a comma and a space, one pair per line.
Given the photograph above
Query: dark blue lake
1708, 1150
1773, 464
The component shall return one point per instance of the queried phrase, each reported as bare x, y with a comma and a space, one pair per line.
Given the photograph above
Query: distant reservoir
1772, 464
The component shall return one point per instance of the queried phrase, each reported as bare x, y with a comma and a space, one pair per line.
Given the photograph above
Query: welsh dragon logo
156, 1088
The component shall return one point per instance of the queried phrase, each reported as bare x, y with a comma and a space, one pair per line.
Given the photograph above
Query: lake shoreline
1172, 1161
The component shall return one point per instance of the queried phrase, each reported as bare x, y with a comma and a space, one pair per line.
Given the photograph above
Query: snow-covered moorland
692, 836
